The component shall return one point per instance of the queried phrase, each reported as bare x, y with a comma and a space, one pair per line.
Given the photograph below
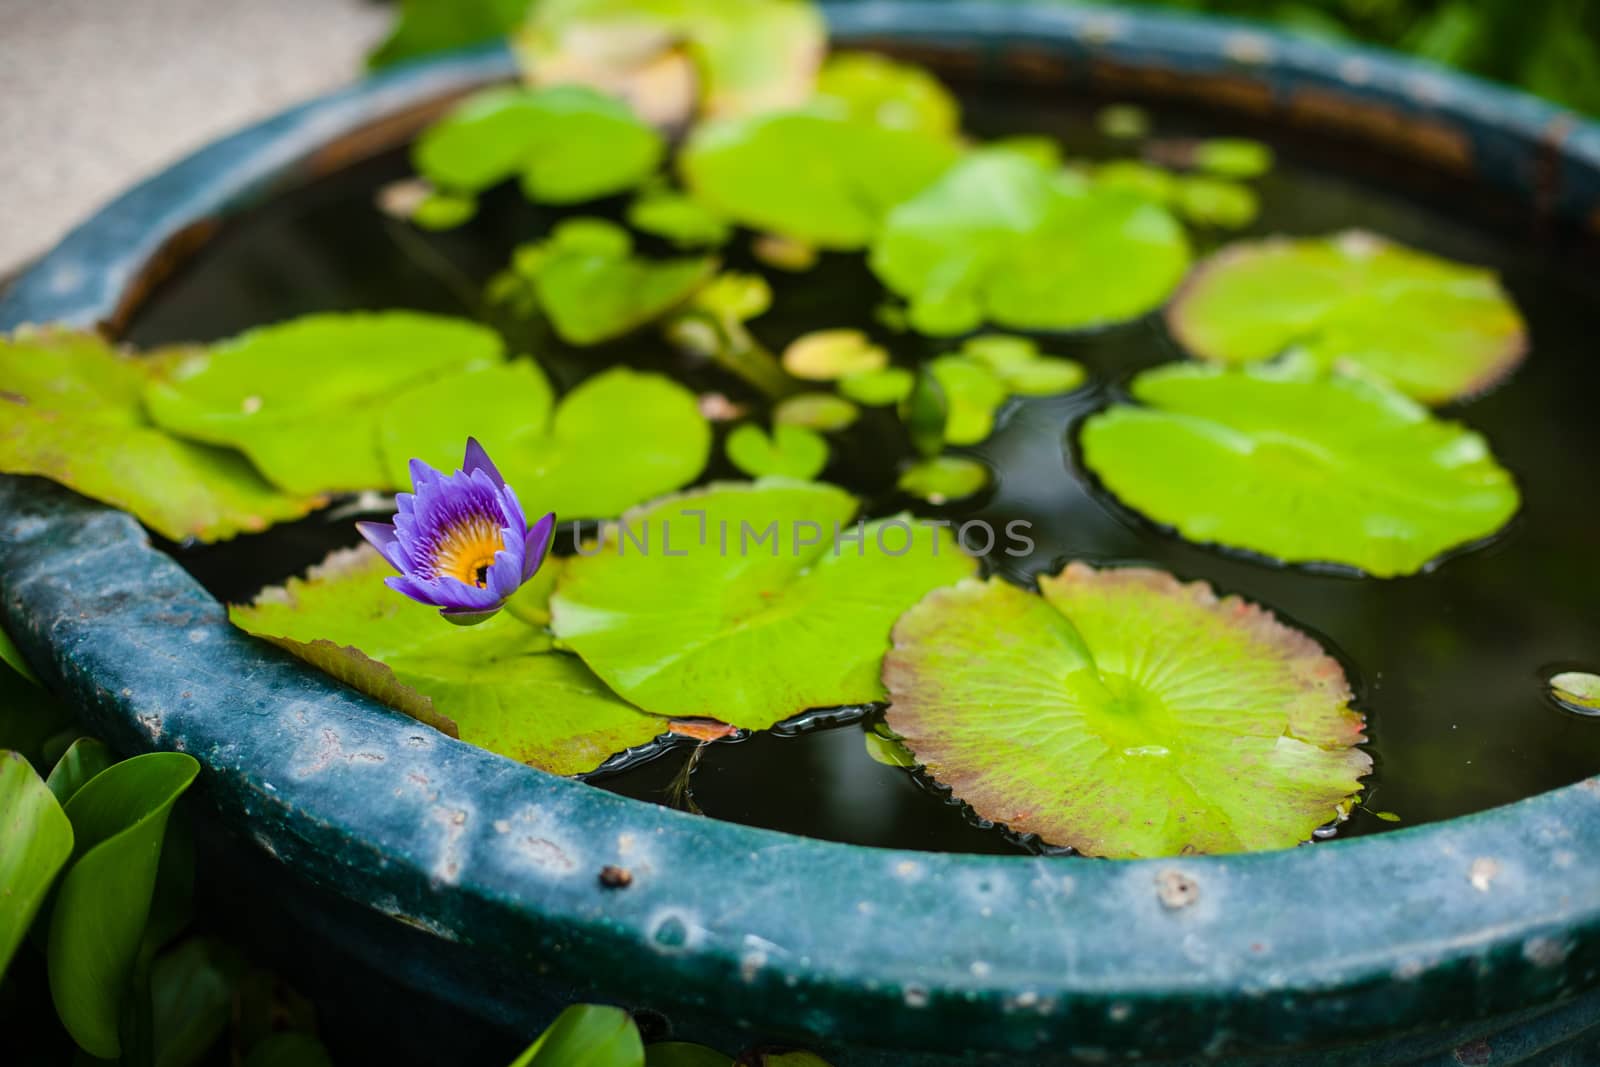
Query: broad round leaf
35, 841
1299, 466
620, 437
1434, 329
302, 398
1125, 714
746, 605
873, 88
791, 451
500, 682
1002, 238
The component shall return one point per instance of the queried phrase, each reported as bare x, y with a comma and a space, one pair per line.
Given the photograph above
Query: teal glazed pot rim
1492, 916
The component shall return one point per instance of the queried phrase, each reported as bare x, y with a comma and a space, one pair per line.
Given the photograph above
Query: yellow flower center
468, 550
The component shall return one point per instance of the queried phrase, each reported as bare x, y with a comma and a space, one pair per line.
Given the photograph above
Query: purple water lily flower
460, 541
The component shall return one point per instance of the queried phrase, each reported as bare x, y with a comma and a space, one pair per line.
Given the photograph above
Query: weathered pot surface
1471, 941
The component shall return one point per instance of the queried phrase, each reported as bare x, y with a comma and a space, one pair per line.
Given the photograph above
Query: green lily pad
1152, 183
1207, 201
823, 412
1125, 122
302, 398
784, 253
944, 478
676, 216
878, 388
618, 438
1299, 466
868, 87
764, 617
1577, 691
824, 355
71, 410
973, 394
1125, 714
740, 58
35, 841
1233, 157
593, 287
1434, 329
1003, 239
712, 326
501, 682
567, 144
791, 451
811, 175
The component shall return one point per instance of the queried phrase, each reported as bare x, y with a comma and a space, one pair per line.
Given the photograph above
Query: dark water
1447, 666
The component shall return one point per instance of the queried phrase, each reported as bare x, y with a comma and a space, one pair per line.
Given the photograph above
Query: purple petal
382, 536
463, 617
537, 545
505, 573
422, 475
511, 508
410, 587
478, 460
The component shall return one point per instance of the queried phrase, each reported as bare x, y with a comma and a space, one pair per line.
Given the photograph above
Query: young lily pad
1207, 201
873, 88
1233, 157
1299, 466
1435, 329
620, 437
784, 253
824, 355
1577, 691
765, 614
1125, 714
592, 286
500, 682
1017, 362
1004, 239
944, 478
302, 398
791, 451
1125, 122
567, 144
71, 409
1152, 183
973, 394
811, 175
878, 388
823, 412
676, 216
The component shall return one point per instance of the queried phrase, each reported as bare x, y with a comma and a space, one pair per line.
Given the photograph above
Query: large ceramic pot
463, 874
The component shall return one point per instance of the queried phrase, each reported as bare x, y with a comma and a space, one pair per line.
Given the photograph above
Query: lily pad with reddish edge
1435, 329
501, 683
1125, 714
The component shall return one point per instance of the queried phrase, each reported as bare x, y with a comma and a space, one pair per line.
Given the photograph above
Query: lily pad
618, 438
824, 355
944, 478
811, 175
71, 410
567, 144
791, 451
1125, 122
873, 88
1207, 201
784, 253
1577, 691
1435, 329
1233, 157
823, 412
1002, 238
712, 326
1125, 714
878, 388
1299, 466
500, 682
302, 398
593, 287
973, 394
765, 616
677, 217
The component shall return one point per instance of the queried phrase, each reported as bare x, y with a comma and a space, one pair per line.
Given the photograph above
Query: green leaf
889, 751
593, 287
302, 398
1216, 202
620, 437
1125, 714
974, 395
35, 841
428, 26
1577, 691
1233, 157
1125, 122
765, 616
1434, 329
795, 1058
567, 144
944, 478
1299, 466
823, 412
501, 682
1001, 238
824, 355
868, 87
291, 1049
878, 388
809, 175
1153, 183
443, 211
192, 988
791, 451
1386, 816
30, 719
11, 655
684, 1054
925, 412
84, 759
587, 1035
97, 922
70, 410
676, 216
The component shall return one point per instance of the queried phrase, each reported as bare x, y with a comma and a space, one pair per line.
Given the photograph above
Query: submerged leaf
1299, 466
791, 451
944, 478
824, 355
873, 88
765, 613
71, 410
1002, 238
1435, 329
1125, 714
500, 682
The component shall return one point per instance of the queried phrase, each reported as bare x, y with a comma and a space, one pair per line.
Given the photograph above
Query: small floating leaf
1577, 691
888, 750
674, 215
1125, 122
825, 355
878, 388
811, 176
823, 412
566, 460
767, 614
973, 396
1017, 363
1299, 466
1233, 157
593, 287
443, 211
71, 410
1386, 816
1435, 329
35, 841
1125, 714
500, 682
1216, 202
784, 253
791, 451
567, 144
302, 398
1004, 239
944, 478
1152, 183
872, 88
